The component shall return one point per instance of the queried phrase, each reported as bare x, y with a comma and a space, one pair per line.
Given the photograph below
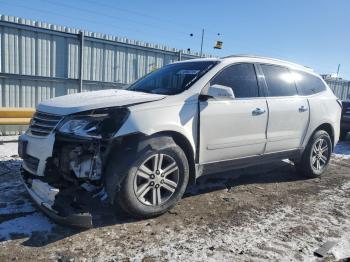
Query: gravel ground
256, 214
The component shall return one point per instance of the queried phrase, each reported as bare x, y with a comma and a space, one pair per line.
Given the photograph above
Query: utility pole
338, 70
202, 43
179, 55
81, 61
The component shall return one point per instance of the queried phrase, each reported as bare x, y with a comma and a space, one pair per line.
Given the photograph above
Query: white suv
139, 148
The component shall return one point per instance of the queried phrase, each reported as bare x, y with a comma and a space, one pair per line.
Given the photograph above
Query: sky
314, 33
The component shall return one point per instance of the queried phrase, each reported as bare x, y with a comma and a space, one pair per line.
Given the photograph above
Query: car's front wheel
155, 181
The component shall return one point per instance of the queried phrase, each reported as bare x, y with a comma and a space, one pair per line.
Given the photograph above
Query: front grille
43, 123
31, 163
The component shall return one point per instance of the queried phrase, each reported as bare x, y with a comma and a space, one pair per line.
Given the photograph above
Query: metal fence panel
28, 93
40, 61
341, 88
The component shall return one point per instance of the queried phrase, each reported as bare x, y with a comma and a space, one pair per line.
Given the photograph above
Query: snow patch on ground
8, 149
13, 198
23, 217
8, 138
342, 150
264, 236
25, 225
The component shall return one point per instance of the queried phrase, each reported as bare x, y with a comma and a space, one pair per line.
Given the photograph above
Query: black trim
345, 125
75, 220
222, 166
196, 154
207, 85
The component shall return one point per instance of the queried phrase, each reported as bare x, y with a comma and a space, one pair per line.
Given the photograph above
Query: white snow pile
8, 150
342, 150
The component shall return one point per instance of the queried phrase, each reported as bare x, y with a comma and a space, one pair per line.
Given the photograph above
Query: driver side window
241, 78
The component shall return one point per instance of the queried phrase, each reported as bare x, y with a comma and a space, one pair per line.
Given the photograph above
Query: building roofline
8, 19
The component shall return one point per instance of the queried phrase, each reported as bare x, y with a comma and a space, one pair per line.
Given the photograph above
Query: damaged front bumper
44, 197
60, 199
63, 172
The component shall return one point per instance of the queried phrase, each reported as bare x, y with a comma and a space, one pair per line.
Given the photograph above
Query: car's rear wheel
316, 155
155, 181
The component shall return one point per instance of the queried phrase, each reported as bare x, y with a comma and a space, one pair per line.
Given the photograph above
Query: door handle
258, 111
303, 109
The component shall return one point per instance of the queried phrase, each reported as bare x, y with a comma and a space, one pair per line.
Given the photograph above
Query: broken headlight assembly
95, 124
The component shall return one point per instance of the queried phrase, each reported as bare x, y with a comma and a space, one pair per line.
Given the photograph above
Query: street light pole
202, 43
338, 70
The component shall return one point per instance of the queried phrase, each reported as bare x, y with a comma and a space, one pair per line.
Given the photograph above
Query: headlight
74, 126
95, 125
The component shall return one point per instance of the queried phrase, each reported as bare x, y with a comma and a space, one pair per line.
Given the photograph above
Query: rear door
235, 128
288, 112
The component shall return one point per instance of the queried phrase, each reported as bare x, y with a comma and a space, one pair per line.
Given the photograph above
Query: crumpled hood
79, 102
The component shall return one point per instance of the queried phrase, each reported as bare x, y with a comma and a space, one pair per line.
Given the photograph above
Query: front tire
316, 156
156, 179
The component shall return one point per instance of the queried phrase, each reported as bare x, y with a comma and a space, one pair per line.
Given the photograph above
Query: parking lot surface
261, 214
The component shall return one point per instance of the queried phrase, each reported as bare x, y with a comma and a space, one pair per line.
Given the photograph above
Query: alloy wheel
156, 179
319, 155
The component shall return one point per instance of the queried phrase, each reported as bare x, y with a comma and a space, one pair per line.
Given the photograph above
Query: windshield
172, 79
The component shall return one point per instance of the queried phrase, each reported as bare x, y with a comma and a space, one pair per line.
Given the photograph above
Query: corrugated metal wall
341, 88
40, 61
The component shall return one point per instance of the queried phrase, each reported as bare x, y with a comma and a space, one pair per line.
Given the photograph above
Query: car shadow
25, 221
278, 172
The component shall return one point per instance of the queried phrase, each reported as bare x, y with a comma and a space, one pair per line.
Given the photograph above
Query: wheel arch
121, 144
326, 127
182, 141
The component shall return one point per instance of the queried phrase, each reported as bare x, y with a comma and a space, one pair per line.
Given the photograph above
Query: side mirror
219, 91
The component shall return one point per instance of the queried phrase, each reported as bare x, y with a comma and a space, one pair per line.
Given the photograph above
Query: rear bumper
83, 220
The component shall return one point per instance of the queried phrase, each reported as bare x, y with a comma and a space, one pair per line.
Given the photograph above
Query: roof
253, 58
274, 60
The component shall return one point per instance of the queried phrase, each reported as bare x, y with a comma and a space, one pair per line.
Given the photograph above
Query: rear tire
316, 156
155, 180
343, 134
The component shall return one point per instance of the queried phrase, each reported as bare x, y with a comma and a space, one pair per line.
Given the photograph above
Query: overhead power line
112, 16
110, 25
155, 18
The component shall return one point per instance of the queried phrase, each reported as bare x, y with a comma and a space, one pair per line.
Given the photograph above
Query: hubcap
320, 154
156, 179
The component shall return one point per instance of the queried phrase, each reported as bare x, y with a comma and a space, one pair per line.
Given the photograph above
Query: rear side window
241, 78
308, 84
279, 81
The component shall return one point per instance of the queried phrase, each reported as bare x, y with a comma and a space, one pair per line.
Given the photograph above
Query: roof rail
270, 58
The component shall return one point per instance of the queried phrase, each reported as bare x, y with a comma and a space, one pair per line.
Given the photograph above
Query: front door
231, 129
